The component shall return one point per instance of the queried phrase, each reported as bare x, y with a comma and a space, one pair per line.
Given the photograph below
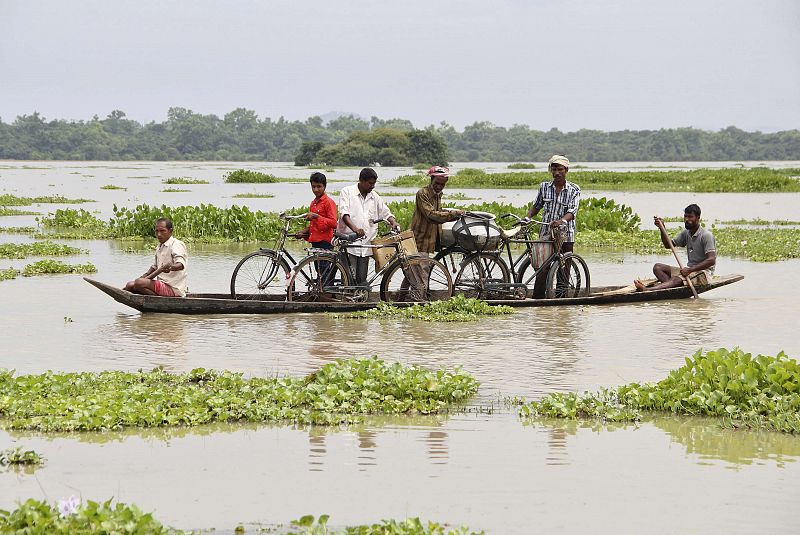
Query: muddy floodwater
484, 468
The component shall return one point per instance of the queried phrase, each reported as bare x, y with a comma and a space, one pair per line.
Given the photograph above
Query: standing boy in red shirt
321, 215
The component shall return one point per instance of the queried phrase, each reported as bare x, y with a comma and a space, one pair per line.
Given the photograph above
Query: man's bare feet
639, 285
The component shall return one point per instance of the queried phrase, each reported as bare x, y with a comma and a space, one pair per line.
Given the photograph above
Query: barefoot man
167, 275
700, 249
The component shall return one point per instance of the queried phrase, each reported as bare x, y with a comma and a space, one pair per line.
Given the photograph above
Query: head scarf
561, 160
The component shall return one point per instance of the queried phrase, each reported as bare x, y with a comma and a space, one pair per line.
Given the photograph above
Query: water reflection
703, 438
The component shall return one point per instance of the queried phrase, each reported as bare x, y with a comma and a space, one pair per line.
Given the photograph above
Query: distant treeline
241, 135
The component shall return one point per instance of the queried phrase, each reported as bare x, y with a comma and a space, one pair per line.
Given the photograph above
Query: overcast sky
571, 64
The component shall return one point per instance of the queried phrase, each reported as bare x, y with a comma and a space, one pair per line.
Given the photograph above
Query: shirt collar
321, 199
429, 187
167, 243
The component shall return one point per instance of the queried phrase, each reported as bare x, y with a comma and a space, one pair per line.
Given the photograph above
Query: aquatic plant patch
455, 309
18, 230
746, 391
759, 179
184, 180
253, 196
52, 267
20, 457
70, 516
249, 177
521, 165
13, 200
8, 274
338, 392
308, 525
42, 248
112, 186
13, 211
758, 222
175, 190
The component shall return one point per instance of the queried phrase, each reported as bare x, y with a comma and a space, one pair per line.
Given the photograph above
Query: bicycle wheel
422, 280
478, 273
320, 277
452, 258
259, 274
568, 277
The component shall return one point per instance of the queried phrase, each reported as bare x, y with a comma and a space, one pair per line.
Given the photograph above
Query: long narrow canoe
223, 304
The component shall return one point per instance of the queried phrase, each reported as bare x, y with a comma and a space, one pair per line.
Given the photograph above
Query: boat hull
223, 304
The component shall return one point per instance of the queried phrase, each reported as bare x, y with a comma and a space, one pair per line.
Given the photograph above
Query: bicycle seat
349, 237
510, 233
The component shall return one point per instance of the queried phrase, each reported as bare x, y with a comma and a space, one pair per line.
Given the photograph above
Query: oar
675, 254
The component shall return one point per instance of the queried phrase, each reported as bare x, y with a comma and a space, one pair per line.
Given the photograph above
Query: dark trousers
360, 266
324, 268
541, 277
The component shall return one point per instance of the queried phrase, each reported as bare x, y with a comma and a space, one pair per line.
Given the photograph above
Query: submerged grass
175, 190
253, 196
760, 179
455, 309
338, 392
18, 230
42, 248
746, 391
112, 186
308, 525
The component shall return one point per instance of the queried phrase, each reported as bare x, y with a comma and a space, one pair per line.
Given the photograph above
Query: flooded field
483, 468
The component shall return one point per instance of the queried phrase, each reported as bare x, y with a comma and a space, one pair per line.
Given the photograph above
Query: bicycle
265, 272
327, 275
484, 274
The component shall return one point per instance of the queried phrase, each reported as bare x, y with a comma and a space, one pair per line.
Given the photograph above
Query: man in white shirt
167, 275
359, 207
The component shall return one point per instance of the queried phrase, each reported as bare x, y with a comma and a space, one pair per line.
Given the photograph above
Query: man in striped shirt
559, 199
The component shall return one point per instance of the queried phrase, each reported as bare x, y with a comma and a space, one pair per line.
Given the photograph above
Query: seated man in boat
426, 223
700, 249
359, 207
167, 276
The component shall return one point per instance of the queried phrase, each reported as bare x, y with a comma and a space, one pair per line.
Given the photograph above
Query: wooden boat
198, 303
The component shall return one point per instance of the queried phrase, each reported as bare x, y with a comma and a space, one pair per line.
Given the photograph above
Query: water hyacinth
455, 309
68, 506
338, 392
69, 517
745, 390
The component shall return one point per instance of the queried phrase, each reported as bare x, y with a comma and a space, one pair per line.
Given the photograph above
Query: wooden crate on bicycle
384, 255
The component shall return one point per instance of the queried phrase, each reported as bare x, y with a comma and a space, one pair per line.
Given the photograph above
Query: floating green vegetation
757, 392
81, 221
43, 248
71, 516
175, 190
455, 309
253, 196
112, 186
20, 457
758, 245
458, 196
13, 211
250, 177
308, 525
185, 180
757, 222
8, 274
338, 392
18, 230
52, 267
521, 165
760, 179
421, 166
13, 200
